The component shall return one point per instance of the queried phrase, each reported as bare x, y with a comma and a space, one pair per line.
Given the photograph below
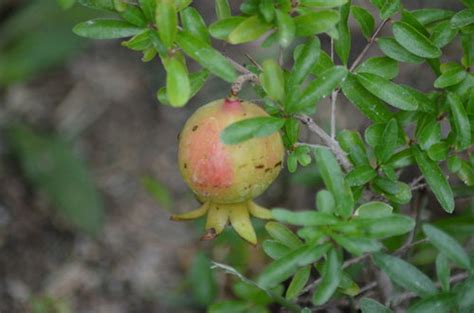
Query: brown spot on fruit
260, 166
195, 127
267, 170
277, 164
185, 165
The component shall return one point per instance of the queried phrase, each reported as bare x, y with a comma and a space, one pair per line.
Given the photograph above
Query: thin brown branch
239, 82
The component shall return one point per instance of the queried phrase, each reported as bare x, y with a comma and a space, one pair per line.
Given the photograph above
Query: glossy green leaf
193, 22
325, 201
106, 29
385, 226
464, 296
374, 209
98, 4
197, 81
342, 45
281, 269
431, 15
331, 277
450, 78
405, 275
139, 42
158, 191
304, 218
467, 42
357, 245
388, 91
51, 166
414, 41
364, 19
439, 303
207, 56
298, 282
466, 173
461, 121
435, 179
319, 88
304, 62
223, 27
382, 66
389, 8
447, 245
334, 180
443, 272
66, 4
442, 34
275, 249
222, 9
226, 306
323, 3
178, 87
322, 64
368, 305
462, 18
454, 163
368, 104
202, 281
282, 234
166, 21
388, 142
149, 8
272, 80
351, 142
428, 131
250, 128
134, 15
315, 22
360, 175
267, 10
402, 158
286, 28
391, 48
250, 29
438, 151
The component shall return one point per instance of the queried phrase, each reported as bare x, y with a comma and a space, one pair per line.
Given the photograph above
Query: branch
238, 83
327, 140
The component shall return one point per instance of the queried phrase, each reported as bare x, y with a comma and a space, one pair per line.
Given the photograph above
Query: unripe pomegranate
225, 178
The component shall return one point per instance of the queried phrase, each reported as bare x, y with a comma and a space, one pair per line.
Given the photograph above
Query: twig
327, 140
369, 44
238, 83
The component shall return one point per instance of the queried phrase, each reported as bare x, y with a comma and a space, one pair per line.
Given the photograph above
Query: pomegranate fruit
225, 178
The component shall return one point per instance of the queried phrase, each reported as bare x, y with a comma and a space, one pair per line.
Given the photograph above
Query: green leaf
202, 280
66, 4
158, 191
438, 303
388, 142
298, 282
250, 128
466, 173
357, 245
454, 163
222, 9
468, 47
286, 28
304, 218
443, 271
331, 277
402, 158
275, 249
391, 48
319, 88
207, 56
149, 9
227, 306
385, 226
272, 80
334, 180
368, 104
442, 34
249, 30
461, 121
197, 80
382, 66
391, 93
51, 166
315, 22
464, 296
178, 87
139, 42
323, 3
106, 29
447, 245
449, 78
193, 22
342, 45
304, 62
98, 4
267, 10
435, 179
282, 234
368, 305
166, 21
429, 15
223, 27
438, 151
364, 19
360, 175
281, 269
374, 209
405, 275
351, 142
325, 201
414, 41
134, 15
462, 18
428, 131
389, 8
